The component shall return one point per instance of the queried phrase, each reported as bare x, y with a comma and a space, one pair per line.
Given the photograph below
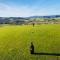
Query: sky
26, 8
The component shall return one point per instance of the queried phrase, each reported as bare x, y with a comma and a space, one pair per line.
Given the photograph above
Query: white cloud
24, 11
6, 10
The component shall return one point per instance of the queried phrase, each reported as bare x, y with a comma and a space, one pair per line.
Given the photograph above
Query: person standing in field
33, 24
32, 48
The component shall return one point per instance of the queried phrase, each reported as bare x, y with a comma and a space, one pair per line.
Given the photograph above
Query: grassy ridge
15, 41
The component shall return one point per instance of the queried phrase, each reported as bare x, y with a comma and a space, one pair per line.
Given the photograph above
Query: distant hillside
24, 20
51, 16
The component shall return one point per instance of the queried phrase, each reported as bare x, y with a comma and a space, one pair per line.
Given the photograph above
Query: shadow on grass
32, 52
52, 54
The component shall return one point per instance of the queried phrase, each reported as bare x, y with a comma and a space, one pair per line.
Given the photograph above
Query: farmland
15, 41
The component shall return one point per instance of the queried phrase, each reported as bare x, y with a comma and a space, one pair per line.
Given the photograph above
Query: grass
15, 41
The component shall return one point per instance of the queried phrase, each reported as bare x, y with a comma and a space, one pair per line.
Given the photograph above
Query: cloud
25, 11
6, 10
22, 11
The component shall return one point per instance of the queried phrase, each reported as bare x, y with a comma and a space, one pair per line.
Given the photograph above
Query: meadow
15, 41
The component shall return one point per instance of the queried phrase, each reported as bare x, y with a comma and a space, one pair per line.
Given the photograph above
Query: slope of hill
22, 20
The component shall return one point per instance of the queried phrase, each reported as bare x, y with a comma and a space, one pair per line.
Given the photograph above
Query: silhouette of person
33, 24
32, 48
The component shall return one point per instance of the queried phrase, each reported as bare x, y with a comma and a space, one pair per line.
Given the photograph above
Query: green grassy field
15, 41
